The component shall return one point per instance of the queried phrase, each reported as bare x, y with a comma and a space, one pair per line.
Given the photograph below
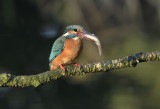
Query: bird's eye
75, 30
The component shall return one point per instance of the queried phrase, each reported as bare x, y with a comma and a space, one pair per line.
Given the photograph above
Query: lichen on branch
9, 80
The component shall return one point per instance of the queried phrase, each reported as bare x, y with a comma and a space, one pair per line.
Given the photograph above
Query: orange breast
70, 53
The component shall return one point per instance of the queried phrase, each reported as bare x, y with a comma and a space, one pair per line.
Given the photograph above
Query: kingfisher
67, 48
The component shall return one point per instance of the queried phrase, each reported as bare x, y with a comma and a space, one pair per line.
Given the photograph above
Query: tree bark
9, 80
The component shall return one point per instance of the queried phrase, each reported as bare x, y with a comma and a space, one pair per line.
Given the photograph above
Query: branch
9, 80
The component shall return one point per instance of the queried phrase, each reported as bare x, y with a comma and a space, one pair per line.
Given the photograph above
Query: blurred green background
28, 29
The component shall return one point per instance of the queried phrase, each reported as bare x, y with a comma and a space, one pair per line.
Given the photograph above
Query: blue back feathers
57, 48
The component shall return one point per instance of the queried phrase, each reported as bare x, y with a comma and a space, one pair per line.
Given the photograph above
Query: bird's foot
77, 65
62, 67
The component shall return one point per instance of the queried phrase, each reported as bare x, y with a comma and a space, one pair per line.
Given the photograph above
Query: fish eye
75, 30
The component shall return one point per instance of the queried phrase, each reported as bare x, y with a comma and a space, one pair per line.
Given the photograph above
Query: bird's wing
57, 48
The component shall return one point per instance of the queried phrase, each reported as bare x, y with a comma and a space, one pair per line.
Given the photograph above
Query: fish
95, 39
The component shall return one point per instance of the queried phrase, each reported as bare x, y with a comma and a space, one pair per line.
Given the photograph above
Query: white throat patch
65, 34
76, 38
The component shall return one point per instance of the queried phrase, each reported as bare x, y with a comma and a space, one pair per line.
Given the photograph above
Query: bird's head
76, 31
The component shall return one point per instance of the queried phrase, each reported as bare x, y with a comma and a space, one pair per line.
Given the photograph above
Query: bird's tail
49, 65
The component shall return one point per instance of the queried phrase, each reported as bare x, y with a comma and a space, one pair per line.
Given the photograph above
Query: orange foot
62, 67
77, 65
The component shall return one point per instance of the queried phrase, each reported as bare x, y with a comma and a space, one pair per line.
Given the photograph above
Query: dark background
28, 29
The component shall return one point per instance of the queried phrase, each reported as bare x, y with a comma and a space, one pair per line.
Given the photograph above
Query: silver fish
92, 37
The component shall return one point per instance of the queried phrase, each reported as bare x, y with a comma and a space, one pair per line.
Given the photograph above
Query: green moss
36, 80
4, 78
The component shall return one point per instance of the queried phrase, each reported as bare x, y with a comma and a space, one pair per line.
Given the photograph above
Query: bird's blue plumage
71, 27
57, 48
59, 44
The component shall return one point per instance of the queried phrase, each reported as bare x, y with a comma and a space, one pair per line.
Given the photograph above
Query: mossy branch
9, 80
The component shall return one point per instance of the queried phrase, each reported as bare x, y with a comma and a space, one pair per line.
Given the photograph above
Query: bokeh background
28, 29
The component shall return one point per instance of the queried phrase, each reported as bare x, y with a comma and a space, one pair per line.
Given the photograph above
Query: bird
67, 48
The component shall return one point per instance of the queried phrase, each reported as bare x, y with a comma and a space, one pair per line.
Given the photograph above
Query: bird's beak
86, 35
89, 36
